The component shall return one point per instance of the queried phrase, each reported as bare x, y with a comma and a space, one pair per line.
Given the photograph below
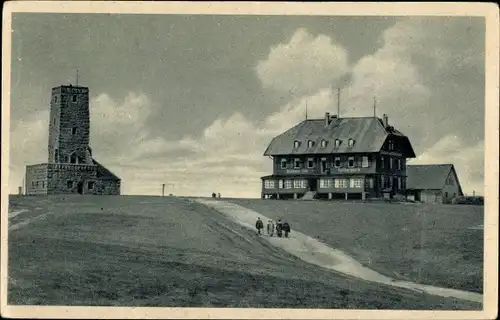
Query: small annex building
432, 183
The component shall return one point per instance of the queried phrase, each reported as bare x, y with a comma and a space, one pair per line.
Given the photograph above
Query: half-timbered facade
335, 157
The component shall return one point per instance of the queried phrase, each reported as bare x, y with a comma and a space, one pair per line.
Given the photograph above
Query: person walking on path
286, 228
279, 228
259, 225
270, 228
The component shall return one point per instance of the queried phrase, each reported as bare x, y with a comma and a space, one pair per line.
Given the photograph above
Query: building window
310, 144
73, 98
70, 184
370, 183
54, 121
351, 142
90, 185
400, 185
32, 184
43, 184
283, 163
350, 162
391, 160
56, 155
364, 162
398, 163
55, 98
268, 184
73, 158
323, 144
382, 162
296, 163
356, 182
336, 162
325, 183
341, 183
74, 130
299, 184
310, 163
288, 184
337, 143
280, 184
296, 144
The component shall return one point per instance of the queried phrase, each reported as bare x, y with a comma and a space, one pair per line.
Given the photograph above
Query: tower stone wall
70, 167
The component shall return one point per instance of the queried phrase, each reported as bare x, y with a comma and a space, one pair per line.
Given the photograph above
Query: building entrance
79, 187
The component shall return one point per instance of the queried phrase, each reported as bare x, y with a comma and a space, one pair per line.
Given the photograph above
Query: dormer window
351, 142
323, 143
296, 144
337, 143
310, 144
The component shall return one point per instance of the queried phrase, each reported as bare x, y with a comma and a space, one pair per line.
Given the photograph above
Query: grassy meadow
430, 244
172, 252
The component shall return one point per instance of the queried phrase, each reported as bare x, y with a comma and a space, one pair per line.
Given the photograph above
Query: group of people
280, 227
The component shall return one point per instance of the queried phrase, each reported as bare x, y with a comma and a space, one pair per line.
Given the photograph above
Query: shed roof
429, 176
368, 134
103, 173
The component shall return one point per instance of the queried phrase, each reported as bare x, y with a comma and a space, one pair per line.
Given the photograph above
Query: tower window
73, 98
73, 130
56, 155
73, 158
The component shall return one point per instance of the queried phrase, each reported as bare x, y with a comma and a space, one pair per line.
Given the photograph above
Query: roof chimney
327, 118
385, 120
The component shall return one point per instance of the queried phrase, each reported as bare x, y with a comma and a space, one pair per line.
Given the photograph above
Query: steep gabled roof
103, 173
429, 176
368, 133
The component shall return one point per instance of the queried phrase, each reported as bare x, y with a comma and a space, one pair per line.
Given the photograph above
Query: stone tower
70, 168
69, 128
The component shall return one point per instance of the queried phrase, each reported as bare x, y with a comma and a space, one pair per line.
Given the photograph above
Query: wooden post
163, 190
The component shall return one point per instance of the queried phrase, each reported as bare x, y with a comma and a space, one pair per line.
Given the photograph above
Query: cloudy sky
193, 101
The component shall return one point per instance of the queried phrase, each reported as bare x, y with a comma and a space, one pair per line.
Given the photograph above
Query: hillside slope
439, 245
151, 251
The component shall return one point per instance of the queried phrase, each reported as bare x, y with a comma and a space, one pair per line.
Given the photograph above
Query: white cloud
304, 64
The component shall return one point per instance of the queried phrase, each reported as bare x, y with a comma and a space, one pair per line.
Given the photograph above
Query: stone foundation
43, 179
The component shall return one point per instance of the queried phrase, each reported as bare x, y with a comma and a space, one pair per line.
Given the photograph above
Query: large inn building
347, 158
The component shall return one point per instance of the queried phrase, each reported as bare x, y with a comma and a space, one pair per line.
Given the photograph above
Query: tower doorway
79, 187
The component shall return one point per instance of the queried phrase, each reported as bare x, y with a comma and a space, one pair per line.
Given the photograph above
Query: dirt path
315, 252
